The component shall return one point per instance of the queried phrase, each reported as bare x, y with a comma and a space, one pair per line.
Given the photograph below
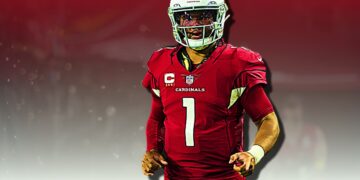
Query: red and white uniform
201, 111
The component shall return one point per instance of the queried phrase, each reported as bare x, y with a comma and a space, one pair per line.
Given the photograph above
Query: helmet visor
202, 17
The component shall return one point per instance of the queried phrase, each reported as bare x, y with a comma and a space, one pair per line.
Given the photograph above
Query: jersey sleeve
155, 65
146, 82
256, 103
155, 126
253, 73
251, 77
155, 123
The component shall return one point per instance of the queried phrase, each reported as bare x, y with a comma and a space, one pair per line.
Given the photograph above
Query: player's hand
152, 161
244, 163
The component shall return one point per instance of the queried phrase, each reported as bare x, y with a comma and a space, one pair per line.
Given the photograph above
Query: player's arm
260, 109
268, 132
153, 160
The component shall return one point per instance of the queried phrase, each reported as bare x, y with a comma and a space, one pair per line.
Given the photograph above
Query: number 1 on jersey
189, 104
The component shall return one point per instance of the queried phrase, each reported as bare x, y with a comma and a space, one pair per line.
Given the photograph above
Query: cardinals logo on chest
189, 80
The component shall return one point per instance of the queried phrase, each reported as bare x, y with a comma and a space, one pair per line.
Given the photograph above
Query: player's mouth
195, 34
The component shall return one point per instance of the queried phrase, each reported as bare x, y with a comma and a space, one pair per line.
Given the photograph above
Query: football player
200, 91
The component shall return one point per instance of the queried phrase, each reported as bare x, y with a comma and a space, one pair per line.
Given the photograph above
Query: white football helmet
210, 32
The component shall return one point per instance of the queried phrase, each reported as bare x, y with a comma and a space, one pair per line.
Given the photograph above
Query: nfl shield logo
189, 79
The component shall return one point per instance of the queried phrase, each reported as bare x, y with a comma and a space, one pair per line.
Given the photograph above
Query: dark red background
315, 42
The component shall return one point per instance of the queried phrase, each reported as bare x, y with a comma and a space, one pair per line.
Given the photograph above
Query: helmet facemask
198, 27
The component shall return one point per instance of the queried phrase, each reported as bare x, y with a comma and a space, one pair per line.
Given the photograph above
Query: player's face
196, 18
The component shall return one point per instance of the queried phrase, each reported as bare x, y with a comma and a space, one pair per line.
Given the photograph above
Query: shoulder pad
166, 48
249, 55
160, 59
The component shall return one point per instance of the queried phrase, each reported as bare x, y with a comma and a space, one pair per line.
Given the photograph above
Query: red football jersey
203, 114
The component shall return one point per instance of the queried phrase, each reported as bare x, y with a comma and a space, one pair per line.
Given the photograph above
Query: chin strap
200, 48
